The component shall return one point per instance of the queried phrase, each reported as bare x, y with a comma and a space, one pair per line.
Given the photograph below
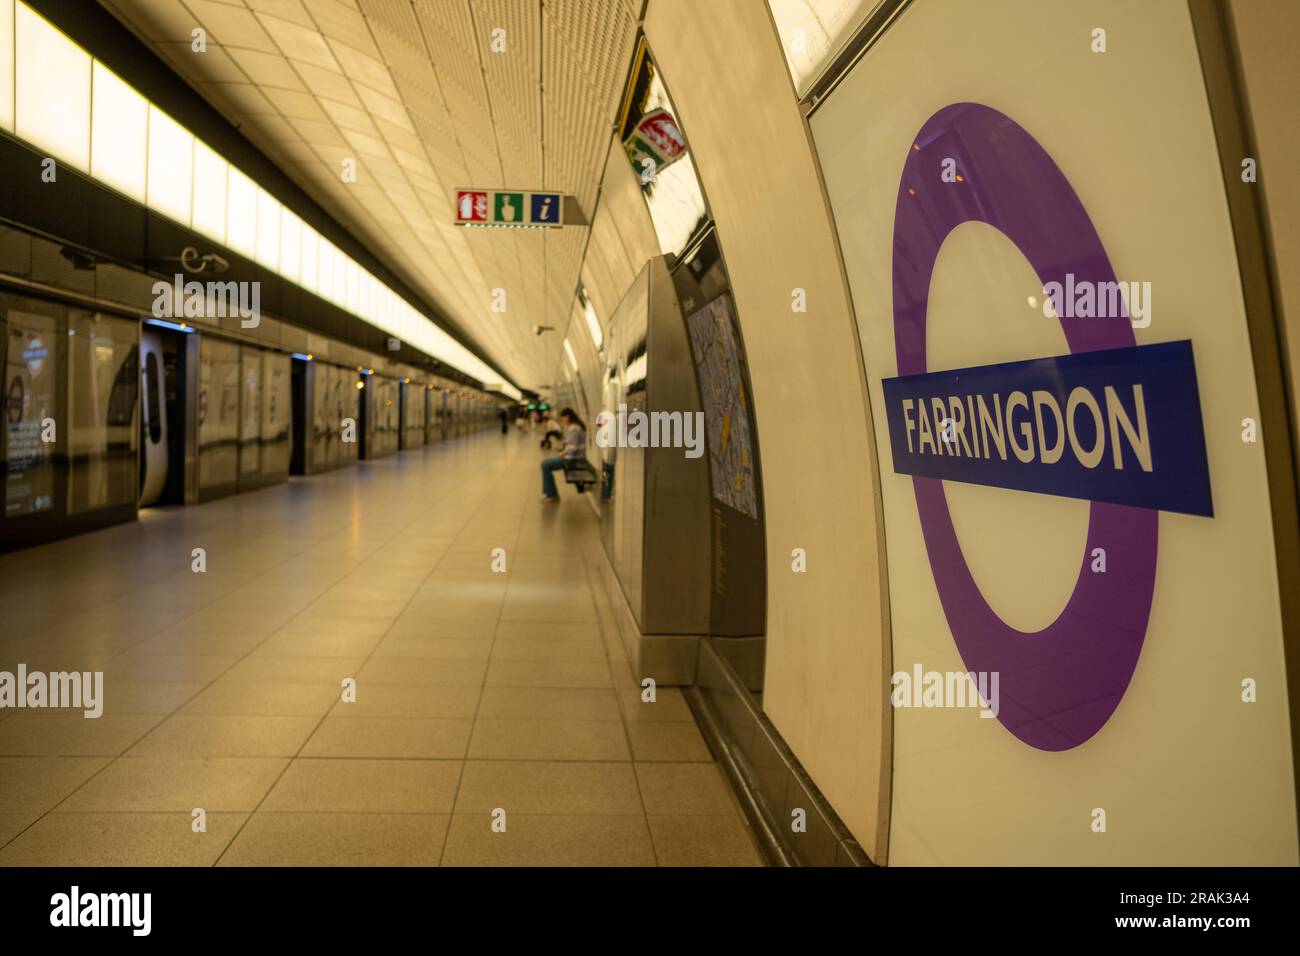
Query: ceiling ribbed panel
512, 71
413, 92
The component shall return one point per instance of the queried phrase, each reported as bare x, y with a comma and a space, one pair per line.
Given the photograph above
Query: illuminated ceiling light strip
593, 322
636, 370
6, 65
46, 100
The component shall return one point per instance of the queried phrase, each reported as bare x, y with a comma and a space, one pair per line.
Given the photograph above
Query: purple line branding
1113, 423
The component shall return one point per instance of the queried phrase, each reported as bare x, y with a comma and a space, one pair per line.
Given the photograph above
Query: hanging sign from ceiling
655, 143
508, 208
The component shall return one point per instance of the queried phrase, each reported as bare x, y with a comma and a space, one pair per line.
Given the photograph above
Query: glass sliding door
103, 435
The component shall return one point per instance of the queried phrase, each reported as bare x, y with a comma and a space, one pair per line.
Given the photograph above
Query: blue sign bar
1120, 425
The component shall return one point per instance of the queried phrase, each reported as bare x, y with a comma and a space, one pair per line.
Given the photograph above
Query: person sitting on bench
575, 447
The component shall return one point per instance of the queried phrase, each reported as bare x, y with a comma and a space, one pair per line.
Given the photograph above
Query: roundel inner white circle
986, 307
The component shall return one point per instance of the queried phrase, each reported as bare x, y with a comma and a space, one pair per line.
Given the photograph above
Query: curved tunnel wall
972, 792
826, 654
913, 786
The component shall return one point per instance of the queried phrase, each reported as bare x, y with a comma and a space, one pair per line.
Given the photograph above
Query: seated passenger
575, 447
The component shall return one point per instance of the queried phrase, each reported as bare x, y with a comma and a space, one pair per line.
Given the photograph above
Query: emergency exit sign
508, 208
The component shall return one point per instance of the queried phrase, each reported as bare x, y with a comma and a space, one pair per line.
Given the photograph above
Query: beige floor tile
553, 703
410, 700
669, 705
548, 674
667, 740
365, 786
225, 698
142, 698
339, 839
35, 784
315, 624
447, 649
453, 610
55, 652
428, 738
476, 690
476, 561
55, 660
530, 649
546, 566
12, 824
548, 631
695, 789
703, 841
426, 672
60, 734
428, 628
544, 739
208, 735
389, 592
548, 840
121, 839
316, 645
448, 583
353, 607
134, 667
293, 670
177, 784
625, 678
548, 787
205, 645
574, 606
217, 623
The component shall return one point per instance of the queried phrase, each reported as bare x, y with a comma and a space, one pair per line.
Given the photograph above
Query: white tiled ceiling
413, 92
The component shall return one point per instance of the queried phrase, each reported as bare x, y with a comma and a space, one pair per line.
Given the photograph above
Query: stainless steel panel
218, 415
412, 415
189, 362
277, 416
657, 523
677, 497
250, 418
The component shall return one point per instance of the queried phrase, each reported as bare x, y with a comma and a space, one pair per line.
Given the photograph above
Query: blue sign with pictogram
545, 209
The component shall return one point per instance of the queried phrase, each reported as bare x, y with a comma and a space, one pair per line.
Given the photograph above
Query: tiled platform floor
476, 691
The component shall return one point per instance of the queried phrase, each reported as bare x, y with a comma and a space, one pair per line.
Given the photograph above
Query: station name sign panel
508, 207
1118, 425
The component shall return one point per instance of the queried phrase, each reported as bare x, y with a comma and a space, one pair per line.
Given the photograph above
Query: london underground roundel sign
1059, 685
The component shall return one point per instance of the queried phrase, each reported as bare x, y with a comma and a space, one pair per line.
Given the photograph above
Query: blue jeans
549, 467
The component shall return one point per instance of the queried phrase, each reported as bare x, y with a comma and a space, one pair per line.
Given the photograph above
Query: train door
154, 445
168, 411
300, 391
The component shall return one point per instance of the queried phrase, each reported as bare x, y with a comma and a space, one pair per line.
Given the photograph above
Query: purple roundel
1059, 685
